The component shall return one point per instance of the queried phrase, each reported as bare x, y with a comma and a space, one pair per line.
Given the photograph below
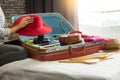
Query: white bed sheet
31, 69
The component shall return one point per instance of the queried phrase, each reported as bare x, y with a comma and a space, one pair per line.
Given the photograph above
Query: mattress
32, 69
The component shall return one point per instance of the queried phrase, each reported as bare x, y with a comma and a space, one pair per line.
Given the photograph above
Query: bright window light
99, 12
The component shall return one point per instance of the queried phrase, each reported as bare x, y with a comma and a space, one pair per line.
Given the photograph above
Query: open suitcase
60, 26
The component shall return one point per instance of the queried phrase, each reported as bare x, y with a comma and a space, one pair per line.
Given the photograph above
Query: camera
41, 40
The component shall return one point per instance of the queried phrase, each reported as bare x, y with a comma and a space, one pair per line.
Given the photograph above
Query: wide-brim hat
35, 28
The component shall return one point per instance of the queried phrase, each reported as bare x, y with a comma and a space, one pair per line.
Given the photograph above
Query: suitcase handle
75, 32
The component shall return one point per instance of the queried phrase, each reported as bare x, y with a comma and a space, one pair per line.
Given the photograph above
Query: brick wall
12, 8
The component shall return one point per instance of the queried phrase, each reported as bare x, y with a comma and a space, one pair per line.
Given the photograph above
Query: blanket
31, 69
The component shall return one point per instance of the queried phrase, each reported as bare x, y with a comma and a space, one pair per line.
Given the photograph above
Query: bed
32, 69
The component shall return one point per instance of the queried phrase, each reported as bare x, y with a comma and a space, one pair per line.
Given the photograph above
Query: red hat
35, 28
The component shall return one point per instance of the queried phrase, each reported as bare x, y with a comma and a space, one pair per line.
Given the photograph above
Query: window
100, 13
99, 17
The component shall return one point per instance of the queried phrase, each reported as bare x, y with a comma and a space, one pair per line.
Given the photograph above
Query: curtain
39, 6
67, 8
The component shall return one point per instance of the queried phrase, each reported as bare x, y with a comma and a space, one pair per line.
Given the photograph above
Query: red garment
95, 39
33, 29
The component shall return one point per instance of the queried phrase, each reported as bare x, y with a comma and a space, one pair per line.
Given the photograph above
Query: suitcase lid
56, 21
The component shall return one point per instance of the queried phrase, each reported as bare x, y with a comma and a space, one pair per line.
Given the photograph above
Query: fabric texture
10, 53
3, 31
31, 69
